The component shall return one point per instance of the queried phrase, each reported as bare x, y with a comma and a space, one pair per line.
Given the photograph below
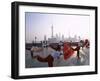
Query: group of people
66, 50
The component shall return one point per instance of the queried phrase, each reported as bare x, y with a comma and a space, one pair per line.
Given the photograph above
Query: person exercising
50, 58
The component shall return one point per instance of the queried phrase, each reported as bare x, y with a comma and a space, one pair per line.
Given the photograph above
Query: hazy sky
39, 24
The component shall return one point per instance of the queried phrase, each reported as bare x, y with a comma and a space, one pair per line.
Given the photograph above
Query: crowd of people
64, 49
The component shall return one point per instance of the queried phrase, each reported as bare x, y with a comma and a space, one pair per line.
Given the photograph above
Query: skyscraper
52, 31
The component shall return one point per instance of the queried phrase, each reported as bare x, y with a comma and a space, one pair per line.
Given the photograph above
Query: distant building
58, 37
45, 38
52, 31
73, 39
52, 40
62, 37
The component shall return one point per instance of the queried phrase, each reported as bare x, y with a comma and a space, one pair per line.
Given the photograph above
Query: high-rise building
45, 38
62, 37
52, 31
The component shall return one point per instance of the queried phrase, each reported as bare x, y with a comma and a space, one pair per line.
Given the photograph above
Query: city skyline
39, 25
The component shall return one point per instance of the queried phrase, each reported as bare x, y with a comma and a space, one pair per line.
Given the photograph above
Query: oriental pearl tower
52, 31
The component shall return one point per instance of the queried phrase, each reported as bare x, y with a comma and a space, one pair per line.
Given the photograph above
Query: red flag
68, 51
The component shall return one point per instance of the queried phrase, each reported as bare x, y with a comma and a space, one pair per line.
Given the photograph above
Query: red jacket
68, 51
